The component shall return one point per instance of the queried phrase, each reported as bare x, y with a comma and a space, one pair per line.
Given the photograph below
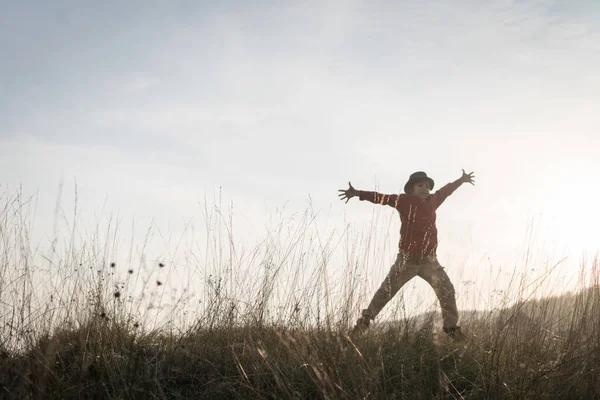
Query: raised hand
348, 193
468, 178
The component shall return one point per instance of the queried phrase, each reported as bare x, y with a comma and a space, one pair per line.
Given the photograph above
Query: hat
418, 177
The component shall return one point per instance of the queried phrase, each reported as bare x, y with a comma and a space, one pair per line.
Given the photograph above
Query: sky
148, 110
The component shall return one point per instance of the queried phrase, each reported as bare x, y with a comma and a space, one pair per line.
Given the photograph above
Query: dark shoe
455, 333
362, 324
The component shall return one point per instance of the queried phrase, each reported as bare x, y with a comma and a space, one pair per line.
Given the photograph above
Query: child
417, 247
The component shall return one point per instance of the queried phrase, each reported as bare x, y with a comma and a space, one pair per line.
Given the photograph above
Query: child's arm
441, 195
379, 198
374, 197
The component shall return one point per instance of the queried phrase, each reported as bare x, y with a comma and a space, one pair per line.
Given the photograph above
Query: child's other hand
467, 178
348, 193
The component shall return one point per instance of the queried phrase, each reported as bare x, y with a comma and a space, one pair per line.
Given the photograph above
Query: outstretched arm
441, 195
374, 197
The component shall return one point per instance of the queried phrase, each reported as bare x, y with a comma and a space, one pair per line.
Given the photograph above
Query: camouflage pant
403, 270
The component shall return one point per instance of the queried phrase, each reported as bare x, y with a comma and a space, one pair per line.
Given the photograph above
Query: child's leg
436, 276
400, 273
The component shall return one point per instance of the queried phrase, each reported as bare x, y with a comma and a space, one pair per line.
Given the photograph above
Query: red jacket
418, 232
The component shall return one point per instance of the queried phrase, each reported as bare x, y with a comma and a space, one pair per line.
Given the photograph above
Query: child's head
419, 184
420, 189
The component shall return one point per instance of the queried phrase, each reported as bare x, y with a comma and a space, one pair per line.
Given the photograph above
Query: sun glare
570, 210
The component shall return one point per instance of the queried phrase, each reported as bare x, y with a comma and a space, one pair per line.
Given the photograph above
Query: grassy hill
548, 348
87, 340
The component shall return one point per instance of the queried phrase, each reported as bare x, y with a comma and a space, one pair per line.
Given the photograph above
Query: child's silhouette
417, 247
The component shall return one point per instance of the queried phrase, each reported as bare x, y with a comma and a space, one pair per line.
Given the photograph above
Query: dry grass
80, 328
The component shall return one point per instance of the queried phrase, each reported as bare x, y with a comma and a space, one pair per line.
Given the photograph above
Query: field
85, 326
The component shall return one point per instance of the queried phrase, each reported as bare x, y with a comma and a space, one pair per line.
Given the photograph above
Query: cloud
141, 83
